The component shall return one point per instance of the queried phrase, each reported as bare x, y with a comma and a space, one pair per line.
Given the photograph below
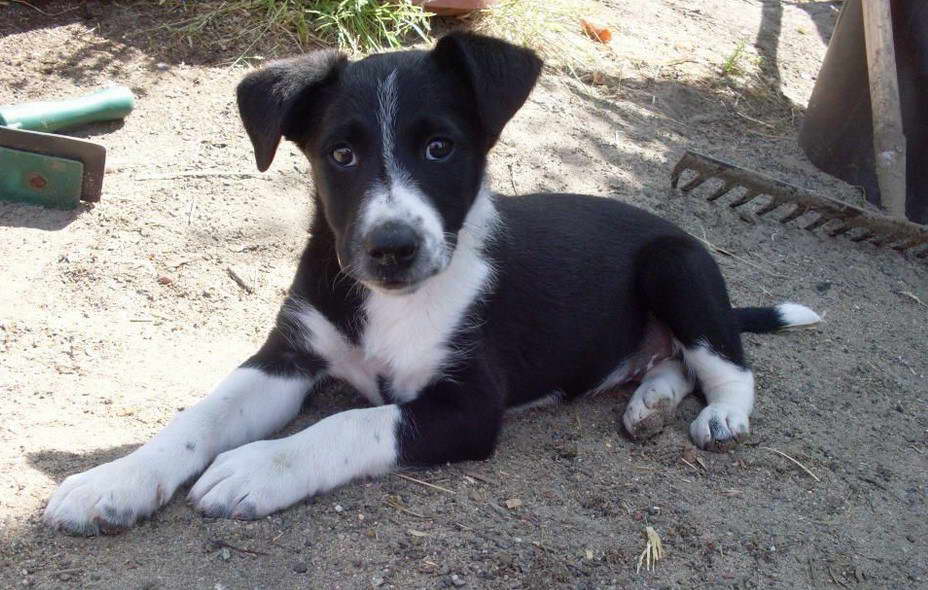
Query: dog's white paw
649, 409
719, 427
107, 499
653, 403
250, 482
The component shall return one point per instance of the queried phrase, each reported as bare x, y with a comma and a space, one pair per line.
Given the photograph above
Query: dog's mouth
393, 287
399, 285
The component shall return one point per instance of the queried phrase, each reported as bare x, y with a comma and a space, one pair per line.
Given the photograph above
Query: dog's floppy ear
269, 98
501, 75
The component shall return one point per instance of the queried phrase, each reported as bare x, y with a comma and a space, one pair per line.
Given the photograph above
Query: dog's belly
657, 345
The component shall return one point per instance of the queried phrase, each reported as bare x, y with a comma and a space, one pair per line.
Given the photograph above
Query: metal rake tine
822, 220
700, 178
840, 230
799, 211
835, 217
908, 244
773, 204
725, 188
748, 196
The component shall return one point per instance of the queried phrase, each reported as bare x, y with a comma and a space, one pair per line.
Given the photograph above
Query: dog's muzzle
395, 256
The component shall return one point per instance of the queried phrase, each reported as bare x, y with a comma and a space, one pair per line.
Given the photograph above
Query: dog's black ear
501, 75
269, 99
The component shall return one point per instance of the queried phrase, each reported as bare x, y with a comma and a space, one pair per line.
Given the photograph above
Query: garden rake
857, 224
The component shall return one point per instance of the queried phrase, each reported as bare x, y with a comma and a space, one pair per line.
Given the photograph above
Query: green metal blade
40, 179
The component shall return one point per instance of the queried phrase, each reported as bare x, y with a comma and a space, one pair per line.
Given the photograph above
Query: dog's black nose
392, 245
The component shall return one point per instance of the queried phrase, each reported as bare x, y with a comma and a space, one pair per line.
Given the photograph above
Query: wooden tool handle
888, 137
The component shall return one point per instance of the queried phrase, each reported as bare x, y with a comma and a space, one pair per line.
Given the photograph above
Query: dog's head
397, 143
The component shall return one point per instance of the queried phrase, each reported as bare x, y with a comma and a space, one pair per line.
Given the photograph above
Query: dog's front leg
252, 402
452, 420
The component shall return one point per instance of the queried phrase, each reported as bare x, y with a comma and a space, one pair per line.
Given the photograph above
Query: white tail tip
794, 315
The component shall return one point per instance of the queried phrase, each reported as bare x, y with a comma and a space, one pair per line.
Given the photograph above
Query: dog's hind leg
654, 401
682, 286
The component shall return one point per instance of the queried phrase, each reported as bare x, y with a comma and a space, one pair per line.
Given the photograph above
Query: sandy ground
112, 317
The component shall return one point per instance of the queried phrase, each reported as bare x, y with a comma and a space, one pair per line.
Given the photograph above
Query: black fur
577, 277
760, 320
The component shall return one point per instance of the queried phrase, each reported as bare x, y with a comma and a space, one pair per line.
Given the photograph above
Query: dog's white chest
407, 339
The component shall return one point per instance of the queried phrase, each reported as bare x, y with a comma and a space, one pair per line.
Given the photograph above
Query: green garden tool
41, 168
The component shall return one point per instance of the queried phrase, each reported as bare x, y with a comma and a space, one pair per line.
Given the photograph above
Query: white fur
797, 316
248, 405
405, 337
408, 334
346, 361
386, 115
403, 202
265, 476
728, 388
661, 391
400, 199
552, 399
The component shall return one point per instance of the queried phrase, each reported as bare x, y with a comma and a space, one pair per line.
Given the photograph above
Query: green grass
355, 26
734, 63
365, 25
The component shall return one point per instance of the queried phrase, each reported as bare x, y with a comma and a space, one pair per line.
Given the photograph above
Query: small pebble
377, 581
299, 567
225, 554
457, 580
338, 508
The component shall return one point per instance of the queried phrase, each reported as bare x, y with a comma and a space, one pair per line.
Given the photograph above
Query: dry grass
553, 29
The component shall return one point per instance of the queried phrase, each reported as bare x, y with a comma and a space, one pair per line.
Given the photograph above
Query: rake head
841, 218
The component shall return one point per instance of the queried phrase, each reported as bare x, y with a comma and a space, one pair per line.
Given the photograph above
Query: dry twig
423, 483
240, 281
803, 467
653, 551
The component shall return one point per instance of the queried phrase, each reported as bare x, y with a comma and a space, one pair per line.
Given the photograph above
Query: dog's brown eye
439, 149
344, 156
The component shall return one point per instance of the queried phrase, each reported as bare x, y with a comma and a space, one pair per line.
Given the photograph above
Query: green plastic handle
104, 105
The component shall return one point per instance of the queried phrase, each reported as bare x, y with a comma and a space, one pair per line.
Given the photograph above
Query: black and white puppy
441, 303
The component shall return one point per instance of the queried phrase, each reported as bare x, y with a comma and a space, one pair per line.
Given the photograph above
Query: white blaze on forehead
387, 98
399, 199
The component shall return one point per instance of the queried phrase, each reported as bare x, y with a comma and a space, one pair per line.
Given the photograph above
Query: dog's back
564, 313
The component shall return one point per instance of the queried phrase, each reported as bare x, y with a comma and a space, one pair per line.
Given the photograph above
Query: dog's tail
785, 316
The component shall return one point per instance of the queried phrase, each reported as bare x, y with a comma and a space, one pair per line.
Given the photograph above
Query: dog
442, 303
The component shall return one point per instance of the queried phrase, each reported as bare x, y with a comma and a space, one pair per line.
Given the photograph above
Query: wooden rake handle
889, 145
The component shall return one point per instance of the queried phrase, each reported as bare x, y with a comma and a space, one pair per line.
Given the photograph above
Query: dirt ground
114, 316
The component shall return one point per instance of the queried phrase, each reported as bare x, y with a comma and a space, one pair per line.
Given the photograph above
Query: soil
114, 316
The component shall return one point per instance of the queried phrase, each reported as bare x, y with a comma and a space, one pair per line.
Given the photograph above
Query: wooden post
889, 144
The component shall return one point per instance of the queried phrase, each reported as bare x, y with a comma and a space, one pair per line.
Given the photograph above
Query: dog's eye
439, 148
344, 156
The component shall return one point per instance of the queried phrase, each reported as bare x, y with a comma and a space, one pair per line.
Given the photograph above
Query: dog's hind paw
643, 421
720, 427
654, 402
107, 499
